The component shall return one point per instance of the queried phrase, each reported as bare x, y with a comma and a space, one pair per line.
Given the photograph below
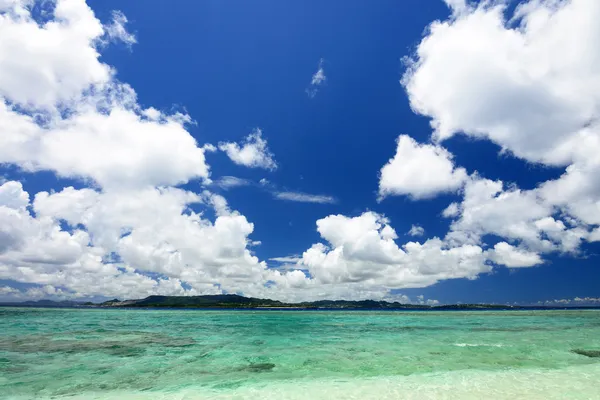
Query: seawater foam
573, 383
480, 345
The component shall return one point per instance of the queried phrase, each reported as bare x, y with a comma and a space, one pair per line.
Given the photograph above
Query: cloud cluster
61, 109
577, 301
131, 233
521, 216
34, 249
67, 71
529, 84
363, 250
33, 293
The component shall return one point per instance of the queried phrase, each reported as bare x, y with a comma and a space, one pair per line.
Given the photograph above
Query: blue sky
518, 116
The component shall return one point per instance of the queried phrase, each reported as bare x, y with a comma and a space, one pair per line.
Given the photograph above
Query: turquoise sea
226, 354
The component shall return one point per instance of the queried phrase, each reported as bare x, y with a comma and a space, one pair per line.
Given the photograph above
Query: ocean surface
225, 354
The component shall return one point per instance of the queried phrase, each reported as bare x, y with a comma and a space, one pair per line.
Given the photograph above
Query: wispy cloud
228, 182
318, 76
305, 197
286, 263
116, 31
317, 80
287, 259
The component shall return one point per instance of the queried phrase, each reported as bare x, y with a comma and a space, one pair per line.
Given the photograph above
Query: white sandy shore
573, 383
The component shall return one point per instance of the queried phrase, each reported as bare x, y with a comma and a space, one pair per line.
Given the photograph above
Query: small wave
480, 345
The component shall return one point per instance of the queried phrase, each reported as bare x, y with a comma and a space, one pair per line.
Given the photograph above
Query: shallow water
192, 354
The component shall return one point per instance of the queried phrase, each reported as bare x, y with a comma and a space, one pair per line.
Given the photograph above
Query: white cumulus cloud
252, 153
528, 83
419, 171
38, 69
362, 249
505, 254
531, 88
416, 230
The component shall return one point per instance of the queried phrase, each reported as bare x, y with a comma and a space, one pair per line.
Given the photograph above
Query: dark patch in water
170, 342
517, 329
124, 351
310, 362
260, 367
8, 368
587, 353
127, 347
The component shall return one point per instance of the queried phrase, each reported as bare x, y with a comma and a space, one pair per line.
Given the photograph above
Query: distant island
233, 301
236, 301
